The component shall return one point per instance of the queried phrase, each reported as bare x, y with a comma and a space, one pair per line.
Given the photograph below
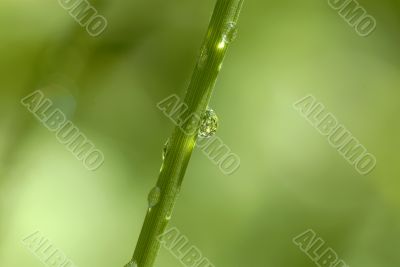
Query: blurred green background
290, 178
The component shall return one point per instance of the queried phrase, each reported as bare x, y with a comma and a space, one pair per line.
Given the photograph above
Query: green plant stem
226, 12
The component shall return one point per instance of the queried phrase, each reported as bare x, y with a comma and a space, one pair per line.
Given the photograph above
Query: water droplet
230, 32
209, 124
169, 214
154, 196
171, 205
132, 263
165, 149
203, 57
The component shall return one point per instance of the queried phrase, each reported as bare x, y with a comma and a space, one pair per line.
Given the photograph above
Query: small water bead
164, 153
169, 215
203, 57
230, 32
165, 149
209, 124
154, 196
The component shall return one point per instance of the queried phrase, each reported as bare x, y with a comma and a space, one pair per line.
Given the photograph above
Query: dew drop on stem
209, 124
154, 197
165, 149
230, 32
203, 57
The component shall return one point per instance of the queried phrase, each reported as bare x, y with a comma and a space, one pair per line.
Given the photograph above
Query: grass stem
221, 31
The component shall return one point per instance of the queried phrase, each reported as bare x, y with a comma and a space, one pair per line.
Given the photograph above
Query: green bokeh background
290, 178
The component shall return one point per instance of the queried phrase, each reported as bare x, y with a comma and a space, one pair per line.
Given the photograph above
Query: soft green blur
290, 178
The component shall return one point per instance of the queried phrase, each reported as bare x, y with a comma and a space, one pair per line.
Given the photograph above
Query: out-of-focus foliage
290, 178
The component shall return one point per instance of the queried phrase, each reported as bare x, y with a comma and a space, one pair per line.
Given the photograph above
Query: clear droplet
169, 215
171, 204
203, 57
132, 263
209, 124
230, 32
154, 196
165, 149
